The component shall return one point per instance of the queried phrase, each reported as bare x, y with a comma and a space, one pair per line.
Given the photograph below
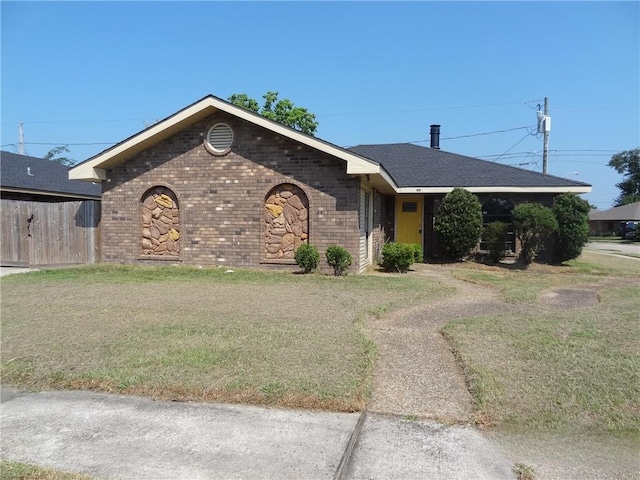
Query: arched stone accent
286, 215
160, 222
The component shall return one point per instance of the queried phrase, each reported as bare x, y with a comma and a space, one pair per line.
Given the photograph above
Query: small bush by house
398, 257
307, 257
339, 259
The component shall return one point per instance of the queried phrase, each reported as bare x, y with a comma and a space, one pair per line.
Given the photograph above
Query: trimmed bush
418, 256
572, 214
495, 235
307, 257
397, 257
458, 223
533, 223
339, 259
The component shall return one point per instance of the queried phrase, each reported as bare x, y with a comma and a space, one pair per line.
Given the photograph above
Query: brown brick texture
221, 197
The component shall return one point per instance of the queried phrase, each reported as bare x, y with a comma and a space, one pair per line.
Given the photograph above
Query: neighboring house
607, 222
214, 184
46, 219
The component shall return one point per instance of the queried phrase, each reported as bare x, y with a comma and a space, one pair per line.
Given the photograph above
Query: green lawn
570, 370
200, 334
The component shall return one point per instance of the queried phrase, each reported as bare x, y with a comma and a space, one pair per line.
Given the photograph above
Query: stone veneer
160, 223
286, 221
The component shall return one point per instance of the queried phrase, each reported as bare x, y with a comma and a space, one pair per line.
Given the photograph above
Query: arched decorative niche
286, 215
160, 212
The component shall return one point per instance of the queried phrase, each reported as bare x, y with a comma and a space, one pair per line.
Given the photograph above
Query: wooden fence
49, 233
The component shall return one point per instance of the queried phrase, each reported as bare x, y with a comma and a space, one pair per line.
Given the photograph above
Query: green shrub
397, 257
418, 256
572, 215
495, 235
458, 223
307, 257
533, 224
339, 259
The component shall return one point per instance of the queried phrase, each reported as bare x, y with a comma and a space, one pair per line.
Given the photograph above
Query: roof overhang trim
94, 168
50, 193
497, 189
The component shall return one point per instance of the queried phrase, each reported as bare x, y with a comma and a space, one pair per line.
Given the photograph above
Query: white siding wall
365, 253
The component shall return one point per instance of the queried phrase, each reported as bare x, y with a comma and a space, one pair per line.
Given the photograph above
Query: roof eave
93, 168
498, 189
48, 193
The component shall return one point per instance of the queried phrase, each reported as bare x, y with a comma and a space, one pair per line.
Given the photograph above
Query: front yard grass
184, 333
570, 371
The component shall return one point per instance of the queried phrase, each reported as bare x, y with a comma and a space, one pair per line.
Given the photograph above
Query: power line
513, 146
457, 107
475, 134
60, 143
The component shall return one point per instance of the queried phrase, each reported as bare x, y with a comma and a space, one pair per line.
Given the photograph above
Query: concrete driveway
614, 248
13, 270
114, 436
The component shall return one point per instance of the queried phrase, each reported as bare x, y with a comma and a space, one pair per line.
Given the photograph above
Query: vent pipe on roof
435, 137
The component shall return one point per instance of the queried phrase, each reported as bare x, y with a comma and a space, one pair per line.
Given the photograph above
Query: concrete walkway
122, 437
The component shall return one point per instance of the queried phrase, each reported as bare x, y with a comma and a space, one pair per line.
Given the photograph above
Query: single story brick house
607, 222
214, 184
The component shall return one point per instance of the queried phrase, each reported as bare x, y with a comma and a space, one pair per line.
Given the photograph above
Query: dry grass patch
520, 285
199, 334
573, 371
21, 471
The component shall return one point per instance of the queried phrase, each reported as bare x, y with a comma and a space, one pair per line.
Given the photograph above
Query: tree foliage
458, 223
572, 215
533, 224
627, 163
282, 111
54, 155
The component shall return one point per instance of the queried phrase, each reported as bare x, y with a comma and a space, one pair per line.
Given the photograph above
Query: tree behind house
627, 163
54, 156
282, 111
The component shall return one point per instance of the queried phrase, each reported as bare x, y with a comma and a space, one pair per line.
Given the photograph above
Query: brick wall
221, 198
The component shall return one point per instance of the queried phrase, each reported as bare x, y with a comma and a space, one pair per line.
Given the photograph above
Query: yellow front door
409, 220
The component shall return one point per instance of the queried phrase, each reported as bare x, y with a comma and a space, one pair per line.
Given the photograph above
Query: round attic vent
219, 138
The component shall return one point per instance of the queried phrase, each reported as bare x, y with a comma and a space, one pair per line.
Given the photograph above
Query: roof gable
423, 169
25, 174
94, 168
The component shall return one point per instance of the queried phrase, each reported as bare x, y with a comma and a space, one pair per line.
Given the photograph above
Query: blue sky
91, 74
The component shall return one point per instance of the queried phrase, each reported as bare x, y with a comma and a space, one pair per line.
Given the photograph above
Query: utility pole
546, 128
21, 139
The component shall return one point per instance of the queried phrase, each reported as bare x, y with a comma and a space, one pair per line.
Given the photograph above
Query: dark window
410, 207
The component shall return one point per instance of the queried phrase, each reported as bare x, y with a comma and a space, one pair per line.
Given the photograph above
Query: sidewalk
120, 437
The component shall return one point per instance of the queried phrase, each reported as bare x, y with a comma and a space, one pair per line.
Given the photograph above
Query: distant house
46, 218
607, 222
214, 184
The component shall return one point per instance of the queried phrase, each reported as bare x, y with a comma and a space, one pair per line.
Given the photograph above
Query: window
499, 210
219, 139
410, 207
